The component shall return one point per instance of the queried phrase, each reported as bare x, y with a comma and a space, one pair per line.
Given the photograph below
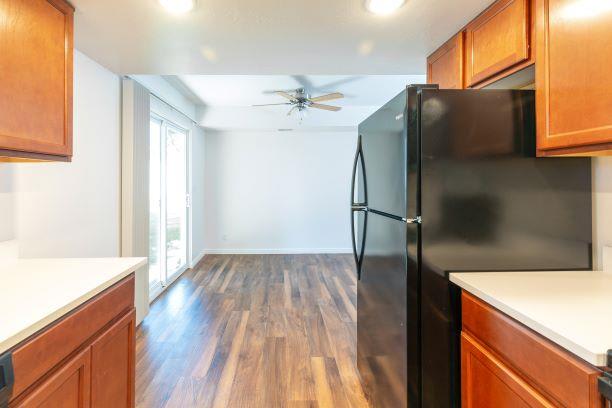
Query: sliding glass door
176, 201
168, 204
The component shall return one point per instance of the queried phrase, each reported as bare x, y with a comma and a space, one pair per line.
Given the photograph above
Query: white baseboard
197, 259
280, 251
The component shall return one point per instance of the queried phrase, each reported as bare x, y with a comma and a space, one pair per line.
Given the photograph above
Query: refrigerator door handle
358, 156
358, 253
415, 220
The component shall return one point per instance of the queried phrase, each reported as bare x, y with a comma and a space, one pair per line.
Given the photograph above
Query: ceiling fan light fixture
383, 7
178, 6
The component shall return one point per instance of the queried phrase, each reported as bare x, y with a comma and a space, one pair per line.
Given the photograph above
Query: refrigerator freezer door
387, 329
384, 146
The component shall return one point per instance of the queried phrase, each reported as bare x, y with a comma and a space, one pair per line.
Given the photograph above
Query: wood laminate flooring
257, 331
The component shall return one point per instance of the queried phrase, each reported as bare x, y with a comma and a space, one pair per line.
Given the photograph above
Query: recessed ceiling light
178, 6
383, 7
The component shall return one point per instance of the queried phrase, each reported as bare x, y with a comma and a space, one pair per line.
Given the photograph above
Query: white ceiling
266, 36
228, 99
247, 90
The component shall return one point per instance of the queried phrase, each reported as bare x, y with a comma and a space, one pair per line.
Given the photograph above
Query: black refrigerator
445, 181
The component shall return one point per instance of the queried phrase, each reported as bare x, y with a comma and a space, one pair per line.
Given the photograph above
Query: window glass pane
176, 195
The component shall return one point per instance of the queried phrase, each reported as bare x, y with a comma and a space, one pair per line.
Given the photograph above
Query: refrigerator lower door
387, 313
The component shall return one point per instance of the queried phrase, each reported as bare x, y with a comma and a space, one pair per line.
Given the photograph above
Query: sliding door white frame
156, 288
169, 277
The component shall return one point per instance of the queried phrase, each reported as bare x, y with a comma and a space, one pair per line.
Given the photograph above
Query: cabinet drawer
497, 40
45, 350
555, 373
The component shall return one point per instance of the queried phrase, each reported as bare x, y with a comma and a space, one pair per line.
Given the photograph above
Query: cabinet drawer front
554, 372
573, 81
37, 67
44, 351
487, 382
497, 40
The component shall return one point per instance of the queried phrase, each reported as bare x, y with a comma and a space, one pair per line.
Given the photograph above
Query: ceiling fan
301, 101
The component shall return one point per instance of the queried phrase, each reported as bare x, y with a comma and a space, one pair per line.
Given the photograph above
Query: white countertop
572, 309
36, 292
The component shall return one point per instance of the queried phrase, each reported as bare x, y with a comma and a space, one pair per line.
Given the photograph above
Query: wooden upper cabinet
69, 387
497, 41
445, 65
36, 57
573, 77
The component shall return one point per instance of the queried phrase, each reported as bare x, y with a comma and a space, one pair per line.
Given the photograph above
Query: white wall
602, 207
72, 209
7, 208
284, 192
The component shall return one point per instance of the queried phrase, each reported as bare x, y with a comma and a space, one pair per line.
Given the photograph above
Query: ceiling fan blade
325, 107
328, 97
285, 95
291, 111
273, 104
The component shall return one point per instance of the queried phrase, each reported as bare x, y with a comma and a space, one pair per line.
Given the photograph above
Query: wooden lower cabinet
505, 364
487, 382
86, 359
112, 362
68, 387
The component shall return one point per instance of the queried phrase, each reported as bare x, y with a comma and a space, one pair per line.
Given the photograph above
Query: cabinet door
497, 40
445, 65
36, 69
573, 80
69, 387
487, 382
113, 365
